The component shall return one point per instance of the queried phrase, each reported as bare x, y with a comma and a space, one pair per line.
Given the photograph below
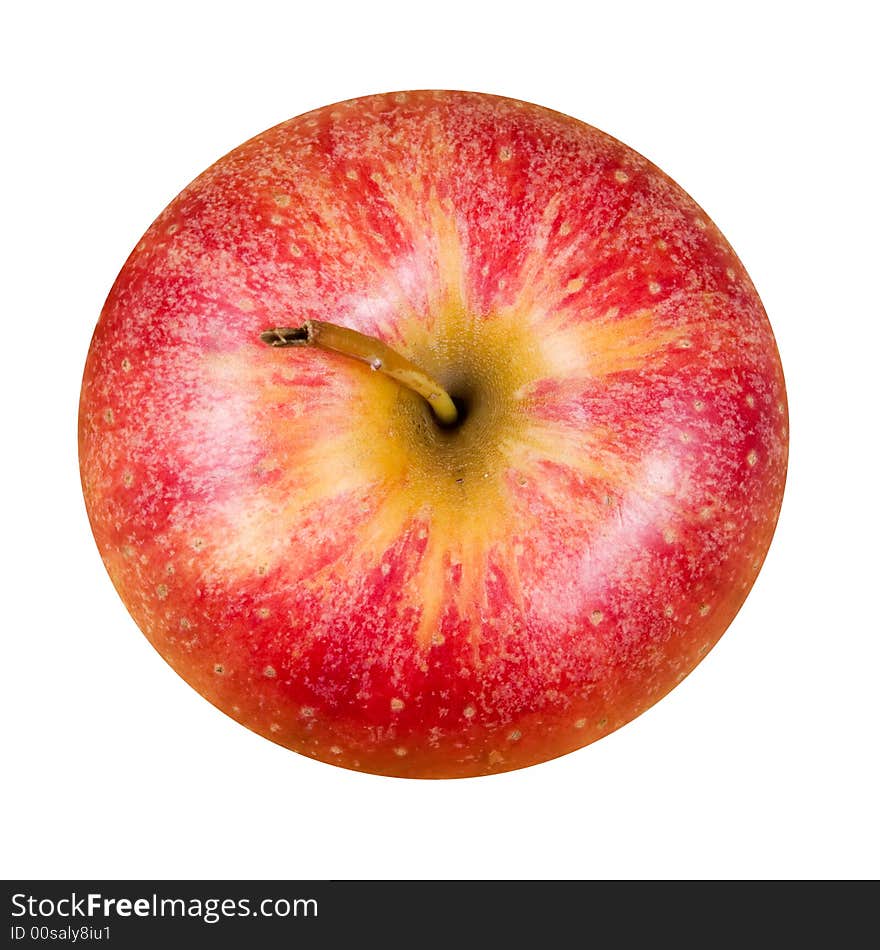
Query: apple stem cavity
373, 352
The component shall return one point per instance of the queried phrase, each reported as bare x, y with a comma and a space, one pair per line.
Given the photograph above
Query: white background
762, 764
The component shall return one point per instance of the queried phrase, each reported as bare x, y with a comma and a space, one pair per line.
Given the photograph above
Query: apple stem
373, 352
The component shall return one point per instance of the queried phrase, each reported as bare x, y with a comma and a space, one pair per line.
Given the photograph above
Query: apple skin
308, 550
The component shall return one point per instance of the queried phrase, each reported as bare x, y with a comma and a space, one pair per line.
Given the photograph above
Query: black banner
390, 914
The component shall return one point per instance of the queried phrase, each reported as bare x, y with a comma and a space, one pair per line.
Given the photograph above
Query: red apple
312, 551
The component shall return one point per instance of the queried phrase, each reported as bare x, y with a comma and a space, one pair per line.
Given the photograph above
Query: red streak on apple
302, 542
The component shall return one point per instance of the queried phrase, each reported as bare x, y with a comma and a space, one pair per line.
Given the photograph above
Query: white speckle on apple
400, 752
621, 176
731, 273
504, 154
263, 612
295, 250
396, 704
126, 365
469, 712
700, 223
514, 736
335, 750
282, 200
654, 287
274, 727
580, 723
269, 672
351, 174
750, 401
574, 285
219, 669
127, 479
162, 591
307, 712
108, 416
752, 457
704, 609
596, 618
699, 405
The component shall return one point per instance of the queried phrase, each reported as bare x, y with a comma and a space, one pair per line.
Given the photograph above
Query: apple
320, 552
